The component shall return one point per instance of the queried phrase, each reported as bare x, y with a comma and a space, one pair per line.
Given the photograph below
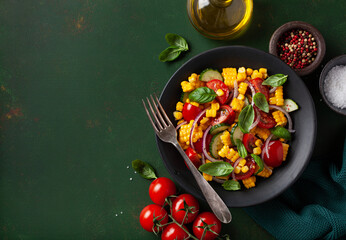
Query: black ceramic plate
304, 122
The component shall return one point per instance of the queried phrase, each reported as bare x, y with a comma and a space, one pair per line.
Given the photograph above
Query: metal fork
166, 132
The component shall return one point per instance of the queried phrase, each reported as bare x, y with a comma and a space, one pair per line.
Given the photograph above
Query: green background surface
72, 76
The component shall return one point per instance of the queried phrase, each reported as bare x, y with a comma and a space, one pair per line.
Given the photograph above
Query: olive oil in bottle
220, 19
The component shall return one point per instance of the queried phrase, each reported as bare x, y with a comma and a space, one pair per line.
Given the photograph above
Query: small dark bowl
304, 26
340, 60
304, 122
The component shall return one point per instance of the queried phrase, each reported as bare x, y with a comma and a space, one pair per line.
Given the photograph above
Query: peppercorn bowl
300, 45
333, 69
304, 124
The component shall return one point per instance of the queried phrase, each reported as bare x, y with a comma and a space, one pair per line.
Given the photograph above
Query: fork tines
161, 119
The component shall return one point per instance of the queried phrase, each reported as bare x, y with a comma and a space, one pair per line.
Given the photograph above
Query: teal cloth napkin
313, 208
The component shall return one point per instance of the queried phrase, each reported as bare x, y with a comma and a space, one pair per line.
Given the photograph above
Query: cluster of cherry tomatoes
183, 211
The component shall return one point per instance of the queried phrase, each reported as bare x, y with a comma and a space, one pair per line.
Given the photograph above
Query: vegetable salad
234, 125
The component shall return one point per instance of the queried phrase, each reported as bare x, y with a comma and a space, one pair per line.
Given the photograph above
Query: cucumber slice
290, 105
236, 133
210, 74
215, 145
218, 128
184, 96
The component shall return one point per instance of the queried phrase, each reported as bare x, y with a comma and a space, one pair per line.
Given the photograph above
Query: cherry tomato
190, 112
174, 232
178, 211
249, 142
216, 85
205, 221
225, 114
193, 156
199, 144
152, 215
275, 154
257, 84
250, 163
267, 121
160, 189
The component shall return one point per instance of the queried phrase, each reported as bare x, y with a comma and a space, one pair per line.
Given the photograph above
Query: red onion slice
235, 92
273, 89
181, 124
203, 159
193, 126
234, 166
221, 181
289, 119
265, 149
258, 118
204, 147
253, 92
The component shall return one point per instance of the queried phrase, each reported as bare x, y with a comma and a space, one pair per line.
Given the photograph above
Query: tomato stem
181, 226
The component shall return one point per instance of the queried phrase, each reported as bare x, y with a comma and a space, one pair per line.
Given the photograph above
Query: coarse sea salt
335, 86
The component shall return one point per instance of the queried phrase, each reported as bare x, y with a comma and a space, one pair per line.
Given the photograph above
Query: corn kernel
215, 106
237, 170
265, 173
242, 162
258, 143
226, 138
229, 75
186, 86
204, 120
210, 113
177, 115
257, 151
262, 70
285, 147
249, 182
179, 106
241, 96
249, 71
219, 92
245, 169
237, 104
256, 74
187, 100
195, 104
241, 70
207, 177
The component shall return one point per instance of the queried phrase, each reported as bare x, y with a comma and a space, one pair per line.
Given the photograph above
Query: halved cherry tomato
250, 163
199, 144
225, 114
190, 112
216, 85
249, 141
266, 121
193, 156
275, 155
257, 84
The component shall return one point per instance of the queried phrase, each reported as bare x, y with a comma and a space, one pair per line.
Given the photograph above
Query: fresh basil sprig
259, 162
202, 95
246, 118
275, 80
231, 185
217, 169
178, 45
241, 148
144, 169
261, 102
281, 132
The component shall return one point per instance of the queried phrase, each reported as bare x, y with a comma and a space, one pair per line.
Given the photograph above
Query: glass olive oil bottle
220, 19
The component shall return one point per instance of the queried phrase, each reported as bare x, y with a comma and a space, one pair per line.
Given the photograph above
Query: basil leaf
144, 169
169, 54
231, 185
176, 40
241, 148
275, 80
202, 95
259, 162
217, 169
246, 118
281, 132
261, 102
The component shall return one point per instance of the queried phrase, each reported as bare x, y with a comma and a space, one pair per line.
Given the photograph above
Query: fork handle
216, 204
